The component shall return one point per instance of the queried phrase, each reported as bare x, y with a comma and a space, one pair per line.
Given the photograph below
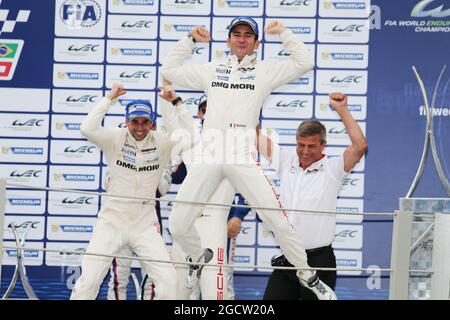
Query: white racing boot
310, 280
195, 270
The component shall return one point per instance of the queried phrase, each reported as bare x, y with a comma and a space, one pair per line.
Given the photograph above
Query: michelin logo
137, 2
346, 56
21, 150
243, 4
73, 228
133, 52
24, 202
346, 5
79, 177
346, 262
79, 75
300, 30
27, 253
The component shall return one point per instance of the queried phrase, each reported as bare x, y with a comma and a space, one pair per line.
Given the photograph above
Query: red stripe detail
7, 67
116, 279
273, 190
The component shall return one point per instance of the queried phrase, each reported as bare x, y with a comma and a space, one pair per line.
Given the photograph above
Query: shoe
311, 281
195, 270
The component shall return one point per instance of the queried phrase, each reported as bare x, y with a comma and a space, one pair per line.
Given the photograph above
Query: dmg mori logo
28, 123
84, 48
292, 104
79, 200
347, 79
295, 3
429, 8
84, 98
349, 28
137, 24
135, 75
26, 174
80, 13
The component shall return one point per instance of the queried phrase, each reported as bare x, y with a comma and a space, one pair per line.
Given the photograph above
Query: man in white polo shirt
311, 181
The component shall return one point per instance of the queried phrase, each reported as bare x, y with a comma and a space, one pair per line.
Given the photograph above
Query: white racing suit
236, 93
135, 168
120, 270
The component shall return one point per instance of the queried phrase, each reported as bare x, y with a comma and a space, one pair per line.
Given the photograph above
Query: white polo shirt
316, 189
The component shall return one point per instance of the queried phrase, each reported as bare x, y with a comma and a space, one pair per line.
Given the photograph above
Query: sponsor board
24, 125
67, 203
186, 7
288, 106
134, 6
73, 177
77, 152
344, 8
70, 229
303, 29
200, 53
265, 257
244, 257
131, 52
32, 100
31, 226
65, 126
348, 259
349, 206
247, 235
357, 105
29, 175
132, 77
74, 101
238, 7
190, 99
343, 30
79, 50
342, 56
304, 84
19, 151
285, 129
279, 52
25, 202
132, 27
348, 236
77, 75
220, 28
353, 185
175, 28
337, 133
60, 259
31, 256
114, 122
80, 18
345, 81
291, 8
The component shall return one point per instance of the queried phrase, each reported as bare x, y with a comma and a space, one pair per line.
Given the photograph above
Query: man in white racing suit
135, 156
236, 92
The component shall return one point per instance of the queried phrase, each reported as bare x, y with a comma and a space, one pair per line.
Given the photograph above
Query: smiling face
139, 127
242, 41
309, 150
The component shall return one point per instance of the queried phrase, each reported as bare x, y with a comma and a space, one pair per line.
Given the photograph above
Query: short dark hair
310, 128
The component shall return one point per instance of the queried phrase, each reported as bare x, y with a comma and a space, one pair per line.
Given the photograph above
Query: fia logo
78, 14
420, 10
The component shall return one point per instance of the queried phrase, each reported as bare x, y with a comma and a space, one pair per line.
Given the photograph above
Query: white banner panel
68, 203
131, 52
29, 100
77, 75
132, 27
132, 77
25, 202
30, 150
65, 228
66, 126
74, 152
79, 50
75, 101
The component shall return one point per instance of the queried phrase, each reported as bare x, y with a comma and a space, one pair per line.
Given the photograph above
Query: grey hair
310, 128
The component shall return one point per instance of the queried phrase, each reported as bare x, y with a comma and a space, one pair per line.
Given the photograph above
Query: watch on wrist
176, 100
190, 36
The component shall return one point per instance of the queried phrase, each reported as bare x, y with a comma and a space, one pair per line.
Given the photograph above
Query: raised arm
91, 126
174, 68
299, 62
358, 148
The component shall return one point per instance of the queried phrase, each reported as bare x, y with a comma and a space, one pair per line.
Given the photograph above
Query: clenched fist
338, 100
200, 34
274, 27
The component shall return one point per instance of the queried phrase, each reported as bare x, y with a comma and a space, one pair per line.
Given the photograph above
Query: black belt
281, 261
